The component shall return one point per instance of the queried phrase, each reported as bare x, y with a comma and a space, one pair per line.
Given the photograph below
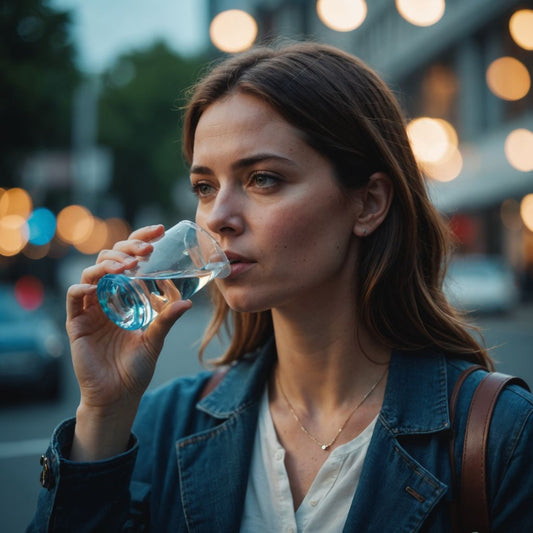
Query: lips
238, 263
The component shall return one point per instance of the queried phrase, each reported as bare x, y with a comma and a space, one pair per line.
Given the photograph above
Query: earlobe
376, 198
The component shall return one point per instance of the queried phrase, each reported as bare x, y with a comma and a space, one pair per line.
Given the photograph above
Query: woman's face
274, 205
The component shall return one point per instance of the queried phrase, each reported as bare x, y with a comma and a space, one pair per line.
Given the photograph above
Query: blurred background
90, 104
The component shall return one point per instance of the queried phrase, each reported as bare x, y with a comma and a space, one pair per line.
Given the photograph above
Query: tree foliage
139, 120
38, 77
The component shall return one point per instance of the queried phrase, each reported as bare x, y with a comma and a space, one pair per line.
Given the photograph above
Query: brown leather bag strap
473, 497
453, 407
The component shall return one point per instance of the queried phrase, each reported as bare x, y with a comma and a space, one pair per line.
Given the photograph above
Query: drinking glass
184, 260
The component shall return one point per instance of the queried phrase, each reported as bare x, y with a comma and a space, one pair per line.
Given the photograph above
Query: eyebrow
245, 162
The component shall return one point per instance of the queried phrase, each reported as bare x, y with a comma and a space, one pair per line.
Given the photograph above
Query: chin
246, 303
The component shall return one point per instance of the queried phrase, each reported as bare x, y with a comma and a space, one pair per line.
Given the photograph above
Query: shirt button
278, 455
314, 503
290, 530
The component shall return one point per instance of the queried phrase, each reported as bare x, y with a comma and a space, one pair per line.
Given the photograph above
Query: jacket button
46, 476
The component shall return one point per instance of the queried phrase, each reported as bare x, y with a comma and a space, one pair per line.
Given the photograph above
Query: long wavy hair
349, 115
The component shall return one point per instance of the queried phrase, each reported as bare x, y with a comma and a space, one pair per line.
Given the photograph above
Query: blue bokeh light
42, 226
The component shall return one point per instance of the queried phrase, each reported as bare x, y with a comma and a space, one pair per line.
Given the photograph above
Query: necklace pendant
325, 446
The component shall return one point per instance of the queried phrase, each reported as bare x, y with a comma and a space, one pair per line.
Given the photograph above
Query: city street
26, 426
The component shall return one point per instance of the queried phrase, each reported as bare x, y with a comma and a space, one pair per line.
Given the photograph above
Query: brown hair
348, 114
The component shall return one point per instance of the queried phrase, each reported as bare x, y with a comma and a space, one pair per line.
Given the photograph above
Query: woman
332, 414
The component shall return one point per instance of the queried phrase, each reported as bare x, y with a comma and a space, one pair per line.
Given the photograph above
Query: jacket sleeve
88, 496
512, 508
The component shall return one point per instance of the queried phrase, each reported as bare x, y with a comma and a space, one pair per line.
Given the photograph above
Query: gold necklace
325, 446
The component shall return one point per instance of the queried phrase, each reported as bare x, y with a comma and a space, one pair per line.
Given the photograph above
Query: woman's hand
113, 366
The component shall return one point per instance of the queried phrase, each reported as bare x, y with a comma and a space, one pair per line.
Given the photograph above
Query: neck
324, 355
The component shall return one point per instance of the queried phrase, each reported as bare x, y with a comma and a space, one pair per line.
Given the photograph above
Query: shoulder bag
471, 512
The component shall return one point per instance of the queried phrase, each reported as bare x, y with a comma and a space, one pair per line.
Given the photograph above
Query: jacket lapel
397, 489
213, 468
214, 464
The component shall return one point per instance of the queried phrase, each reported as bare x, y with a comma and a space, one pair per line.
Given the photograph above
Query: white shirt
269, 506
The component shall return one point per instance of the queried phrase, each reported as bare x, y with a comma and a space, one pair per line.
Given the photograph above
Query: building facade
440, 71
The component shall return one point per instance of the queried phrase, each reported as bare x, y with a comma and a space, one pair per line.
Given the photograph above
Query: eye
202, 189
264, 180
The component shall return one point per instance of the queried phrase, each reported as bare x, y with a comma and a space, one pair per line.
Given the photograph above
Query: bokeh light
117, 230
433, 140
526, 211
421, 12
510, 214
15, 201
233, 31
74, 224
42, 226
29, 292
518, 149
508, 78
342, 15
446, 169
13, 234
521, 28
95, 240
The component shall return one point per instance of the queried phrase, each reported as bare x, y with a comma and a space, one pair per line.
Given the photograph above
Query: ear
374, 201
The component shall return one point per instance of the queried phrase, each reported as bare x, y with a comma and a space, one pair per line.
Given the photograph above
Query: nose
225, 215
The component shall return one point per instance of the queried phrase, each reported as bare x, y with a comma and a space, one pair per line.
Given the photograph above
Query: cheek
304, 237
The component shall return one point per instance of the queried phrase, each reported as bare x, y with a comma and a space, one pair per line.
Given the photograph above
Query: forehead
242, 122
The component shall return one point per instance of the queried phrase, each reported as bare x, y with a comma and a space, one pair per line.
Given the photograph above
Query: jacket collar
242, 385
411, 376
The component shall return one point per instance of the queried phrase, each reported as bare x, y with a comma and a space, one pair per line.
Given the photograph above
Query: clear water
133, 302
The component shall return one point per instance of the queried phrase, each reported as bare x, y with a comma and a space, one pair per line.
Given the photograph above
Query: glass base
124, 301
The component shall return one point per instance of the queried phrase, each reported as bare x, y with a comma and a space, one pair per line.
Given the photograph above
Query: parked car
483, 284
32, 349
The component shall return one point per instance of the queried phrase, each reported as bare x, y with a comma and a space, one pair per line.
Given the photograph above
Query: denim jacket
188, 463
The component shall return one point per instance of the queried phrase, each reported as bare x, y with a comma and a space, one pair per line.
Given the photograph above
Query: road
26, 426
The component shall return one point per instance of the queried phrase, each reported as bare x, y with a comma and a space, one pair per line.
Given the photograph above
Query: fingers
124, 255
76, 295
148, 233
92, 274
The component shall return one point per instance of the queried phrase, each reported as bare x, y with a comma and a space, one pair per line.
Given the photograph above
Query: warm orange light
117, 230
74, 224
433, 140
446, 169
233, 30
342, 15
13, 234
15, 201
421, 12
521, 28
508, 78
96, 239
518, 149
510, 214
526, 211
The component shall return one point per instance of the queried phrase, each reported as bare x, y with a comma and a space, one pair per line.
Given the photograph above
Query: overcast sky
103, 29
